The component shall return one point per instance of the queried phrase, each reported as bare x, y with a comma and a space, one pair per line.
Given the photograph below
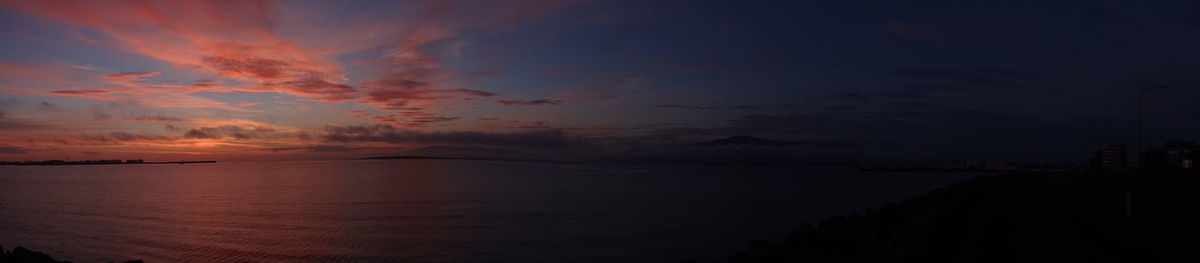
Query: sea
427, 210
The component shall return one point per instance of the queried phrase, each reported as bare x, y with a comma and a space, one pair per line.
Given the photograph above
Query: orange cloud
232, 38
191, 133
128, 75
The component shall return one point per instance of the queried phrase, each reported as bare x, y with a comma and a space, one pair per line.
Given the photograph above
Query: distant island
97, 162
745, 141
418, 157
976, 166
751, 141
425, 158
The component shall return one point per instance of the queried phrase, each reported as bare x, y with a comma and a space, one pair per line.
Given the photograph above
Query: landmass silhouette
1022, 217
24, 255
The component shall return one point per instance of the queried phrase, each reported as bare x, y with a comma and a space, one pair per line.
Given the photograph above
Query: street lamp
1141, 97
1138, 153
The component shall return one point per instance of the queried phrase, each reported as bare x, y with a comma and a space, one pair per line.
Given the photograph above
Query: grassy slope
1013, 218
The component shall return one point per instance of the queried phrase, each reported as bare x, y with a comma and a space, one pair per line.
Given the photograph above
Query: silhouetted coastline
24, 255
97, 162
977, 166
415, 157
1026, 217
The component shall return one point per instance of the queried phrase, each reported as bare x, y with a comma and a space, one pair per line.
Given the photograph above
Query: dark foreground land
1050, 217
22, 255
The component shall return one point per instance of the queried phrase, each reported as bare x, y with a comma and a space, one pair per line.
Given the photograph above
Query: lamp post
1141, 97
1137, 152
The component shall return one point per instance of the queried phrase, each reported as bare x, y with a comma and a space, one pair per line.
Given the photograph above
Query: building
1110, 158
1172, 155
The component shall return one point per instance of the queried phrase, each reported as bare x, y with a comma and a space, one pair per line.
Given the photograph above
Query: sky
897, 80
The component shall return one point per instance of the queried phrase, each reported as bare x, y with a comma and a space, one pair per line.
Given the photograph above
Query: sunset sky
260, 80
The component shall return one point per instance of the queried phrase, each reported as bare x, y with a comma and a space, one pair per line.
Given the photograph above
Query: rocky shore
1038, 217
23, 255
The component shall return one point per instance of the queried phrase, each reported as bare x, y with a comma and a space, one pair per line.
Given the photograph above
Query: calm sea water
424, 210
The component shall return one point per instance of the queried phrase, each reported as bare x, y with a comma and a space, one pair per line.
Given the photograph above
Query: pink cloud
232, 38
129, 75
82, 92
147, 118
246, 46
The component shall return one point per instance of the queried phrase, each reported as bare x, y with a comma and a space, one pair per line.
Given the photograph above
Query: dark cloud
530, 102
100, 115
398, 89
247, 66
546, 139
119, 137
398, 92
81, 92
208, 133
128, 75
46, 106
329, 148
235, 132
536, 125
4, 104
22, 124
282, 76
479, 93
738, 107
903, 128
689, 107
432, 119
13, 149
948, 78
313, 85
316, 148
157, 118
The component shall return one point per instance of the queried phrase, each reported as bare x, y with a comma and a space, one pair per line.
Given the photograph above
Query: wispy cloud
316, 148
13, 149
390, 134
215, 50
530, 102
133, 75
155, 118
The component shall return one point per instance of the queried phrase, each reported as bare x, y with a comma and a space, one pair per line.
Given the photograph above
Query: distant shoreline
21, 254
93, 162
418, 157
1017, 217
602, 161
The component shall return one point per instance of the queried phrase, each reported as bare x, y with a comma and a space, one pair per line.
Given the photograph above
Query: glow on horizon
254, 79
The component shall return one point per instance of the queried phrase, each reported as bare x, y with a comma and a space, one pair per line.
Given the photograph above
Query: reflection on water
423, 210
